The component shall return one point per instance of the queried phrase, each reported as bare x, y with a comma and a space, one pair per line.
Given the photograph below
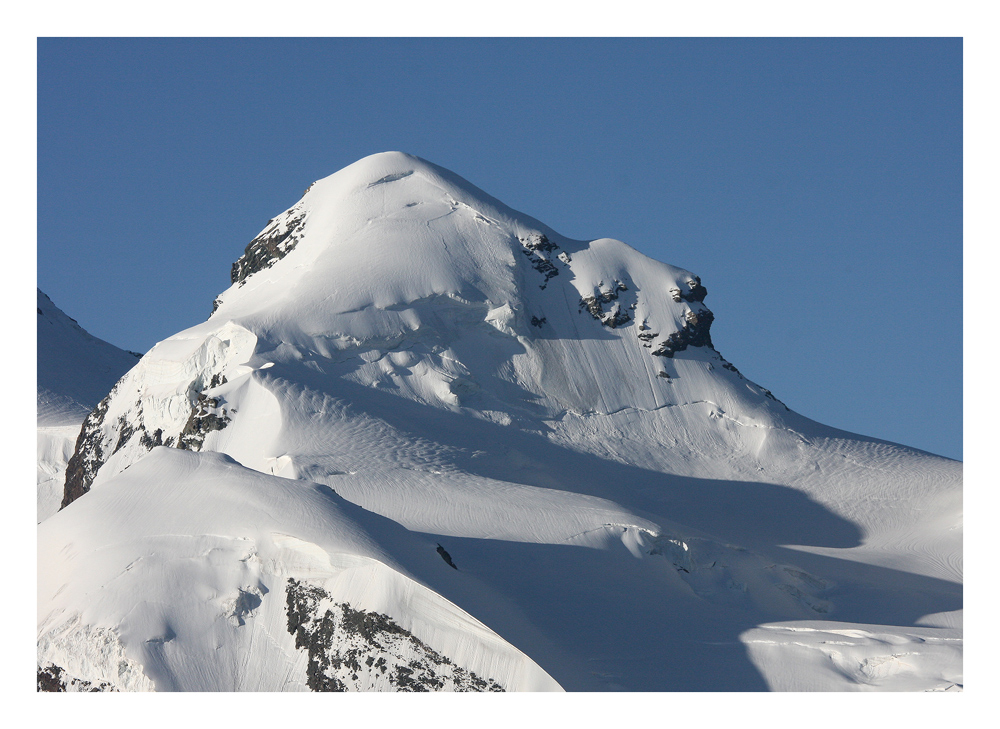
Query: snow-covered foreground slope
75, 371
537, 432
189, 572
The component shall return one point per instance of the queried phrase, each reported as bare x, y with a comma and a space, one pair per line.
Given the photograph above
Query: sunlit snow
419, 368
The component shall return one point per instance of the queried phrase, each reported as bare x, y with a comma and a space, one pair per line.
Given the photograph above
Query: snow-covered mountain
426, 442
75, 372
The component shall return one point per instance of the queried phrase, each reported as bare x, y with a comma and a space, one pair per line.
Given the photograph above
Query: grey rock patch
610, 316
275, 242
537, 248
358, 650
53, 678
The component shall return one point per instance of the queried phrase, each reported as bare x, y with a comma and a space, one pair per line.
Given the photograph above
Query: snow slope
75, 371
207, 619
539, 432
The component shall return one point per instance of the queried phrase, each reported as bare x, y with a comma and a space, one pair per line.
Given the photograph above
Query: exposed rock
88, 456
695, 333
536, 322
149, 442
545, 267
53, 678
732, 368
695, 292
532, 245
767, 393
538, 242
94, 446
612, 317
206, 416
647, 337
50, 678
446, 557
125, 431
82, 686
358, 650
275, 242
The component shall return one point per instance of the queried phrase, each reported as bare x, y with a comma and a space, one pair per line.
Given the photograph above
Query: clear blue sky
815, 185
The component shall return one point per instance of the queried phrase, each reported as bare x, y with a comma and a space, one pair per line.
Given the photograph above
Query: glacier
424, 429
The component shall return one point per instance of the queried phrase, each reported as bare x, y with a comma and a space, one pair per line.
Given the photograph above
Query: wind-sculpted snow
434, 414
822, 656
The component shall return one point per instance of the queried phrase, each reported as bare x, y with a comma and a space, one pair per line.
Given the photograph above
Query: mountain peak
418, 417
397, 275
394, 252
75, 369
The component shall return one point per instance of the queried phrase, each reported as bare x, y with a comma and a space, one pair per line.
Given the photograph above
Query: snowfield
424, 442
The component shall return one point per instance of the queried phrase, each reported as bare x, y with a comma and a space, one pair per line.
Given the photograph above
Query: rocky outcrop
446, 557
207, 415
273, 243
537, 248
694, 333
53, 678
89, 455
695, 292
50, 678
358, 650
538, 242
96, 443
610, 316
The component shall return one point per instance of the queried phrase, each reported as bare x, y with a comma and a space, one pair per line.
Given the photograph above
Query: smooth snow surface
75, 371
464, 380
209, 546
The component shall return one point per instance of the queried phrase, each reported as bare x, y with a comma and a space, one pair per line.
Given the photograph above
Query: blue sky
815, 185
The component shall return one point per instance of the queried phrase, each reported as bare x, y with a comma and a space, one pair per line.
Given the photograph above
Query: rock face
98, 440
538, 248
614, 317
75, 372
207, 415
88, 457
695, 291
130, 421
357, 650
272, 244
695, 333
